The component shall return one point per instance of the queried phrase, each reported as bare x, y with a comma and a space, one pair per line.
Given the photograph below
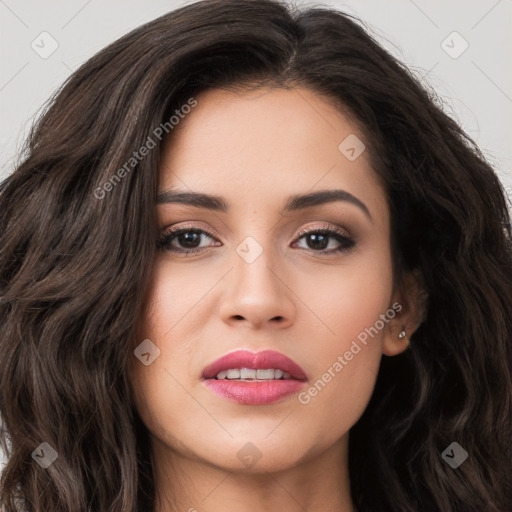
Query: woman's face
257, 283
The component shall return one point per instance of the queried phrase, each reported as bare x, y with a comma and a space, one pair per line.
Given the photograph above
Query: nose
257, 294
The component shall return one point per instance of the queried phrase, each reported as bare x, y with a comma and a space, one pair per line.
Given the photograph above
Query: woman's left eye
319, 238
187, 240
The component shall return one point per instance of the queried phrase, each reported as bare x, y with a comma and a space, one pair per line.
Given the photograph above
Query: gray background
476, 87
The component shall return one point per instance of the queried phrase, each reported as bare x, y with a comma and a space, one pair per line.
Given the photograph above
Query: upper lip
258, 360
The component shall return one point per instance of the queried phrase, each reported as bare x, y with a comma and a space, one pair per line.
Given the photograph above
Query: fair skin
256, 149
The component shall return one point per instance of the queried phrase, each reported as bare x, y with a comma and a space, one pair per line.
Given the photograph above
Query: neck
188, 483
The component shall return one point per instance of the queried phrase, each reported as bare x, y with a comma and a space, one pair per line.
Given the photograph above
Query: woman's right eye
184, 240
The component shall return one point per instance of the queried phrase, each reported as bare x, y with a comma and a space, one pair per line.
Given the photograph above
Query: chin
251, 455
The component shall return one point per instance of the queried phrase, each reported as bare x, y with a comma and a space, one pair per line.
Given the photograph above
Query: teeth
265, 374
247, 373
252, 374
233, 374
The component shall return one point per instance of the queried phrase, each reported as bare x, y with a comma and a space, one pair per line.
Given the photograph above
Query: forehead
260, 146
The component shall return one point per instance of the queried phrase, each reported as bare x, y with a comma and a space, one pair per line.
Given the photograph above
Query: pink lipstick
254, 378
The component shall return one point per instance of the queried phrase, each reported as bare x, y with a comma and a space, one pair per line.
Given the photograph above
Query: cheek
352, 308
346, 298
174, 318
163, 390
160, 402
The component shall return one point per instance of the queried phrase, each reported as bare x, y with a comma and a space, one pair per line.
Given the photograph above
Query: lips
253, 391
264, 360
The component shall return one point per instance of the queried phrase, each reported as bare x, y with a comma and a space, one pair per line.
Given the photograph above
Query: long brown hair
77, 241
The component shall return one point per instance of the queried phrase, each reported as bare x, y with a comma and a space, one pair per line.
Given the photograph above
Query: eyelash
346, 242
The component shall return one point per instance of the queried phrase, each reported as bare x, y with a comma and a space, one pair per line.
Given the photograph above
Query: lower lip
253, 392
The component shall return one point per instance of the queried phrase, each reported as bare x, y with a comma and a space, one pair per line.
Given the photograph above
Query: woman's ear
412, 296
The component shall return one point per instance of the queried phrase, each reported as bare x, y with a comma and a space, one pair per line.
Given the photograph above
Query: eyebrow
294, 203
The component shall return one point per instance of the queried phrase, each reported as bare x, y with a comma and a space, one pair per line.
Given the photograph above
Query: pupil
189, 239
318, 238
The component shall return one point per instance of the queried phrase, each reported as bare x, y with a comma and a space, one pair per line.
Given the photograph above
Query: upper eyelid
337, 229
302, 232
190, 227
